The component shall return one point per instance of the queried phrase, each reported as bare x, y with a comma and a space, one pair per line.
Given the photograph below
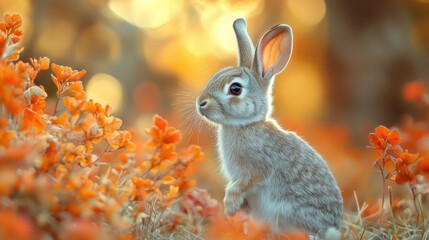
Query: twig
56, 106
102, 153
382, 195
415, 203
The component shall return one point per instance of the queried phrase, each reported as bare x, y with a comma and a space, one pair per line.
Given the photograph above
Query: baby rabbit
273, 173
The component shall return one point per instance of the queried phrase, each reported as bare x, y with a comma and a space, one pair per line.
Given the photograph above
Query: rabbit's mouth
208, 114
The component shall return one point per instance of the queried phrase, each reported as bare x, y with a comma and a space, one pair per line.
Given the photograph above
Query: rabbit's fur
273, 174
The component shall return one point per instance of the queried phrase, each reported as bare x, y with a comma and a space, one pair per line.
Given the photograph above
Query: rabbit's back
296, 188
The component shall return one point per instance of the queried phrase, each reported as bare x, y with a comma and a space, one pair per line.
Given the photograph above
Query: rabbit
273, 174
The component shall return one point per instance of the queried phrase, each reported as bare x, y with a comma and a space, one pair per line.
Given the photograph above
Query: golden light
199, 42
191, 69
105, 89
307, 12
146, 13
217, 19
224, 36
98, 43
299, 93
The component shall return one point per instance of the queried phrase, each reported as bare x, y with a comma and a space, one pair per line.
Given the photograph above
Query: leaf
160, 122
140, 182
172, 135
168, 179
375, 141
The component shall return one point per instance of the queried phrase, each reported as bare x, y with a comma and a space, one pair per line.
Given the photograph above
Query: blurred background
350, 63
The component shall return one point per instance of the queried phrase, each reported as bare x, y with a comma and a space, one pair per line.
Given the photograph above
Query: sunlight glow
105, 89
308, 12
146, 13
223, 34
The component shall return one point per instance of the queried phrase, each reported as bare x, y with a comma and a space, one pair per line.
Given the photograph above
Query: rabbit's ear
273, 52
245, 45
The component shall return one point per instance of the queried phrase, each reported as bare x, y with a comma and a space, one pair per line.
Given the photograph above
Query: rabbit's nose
203, 104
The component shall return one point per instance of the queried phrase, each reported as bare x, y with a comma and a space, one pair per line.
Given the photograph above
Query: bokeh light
105, 89
307, 12
146, 13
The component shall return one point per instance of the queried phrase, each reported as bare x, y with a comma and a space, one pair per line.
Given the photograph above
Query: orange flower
160, 122
40, 64
89, 124
26, 70
35, 98
11, 22
167, 153
403, 175
123, 139
67, 74
74, 107
68, 170
192, 154
94, 107
162, 134
109, 124
382, 136
33, 121
74, 90
172, 135
9, 49
64, 75
11, 89
61, 120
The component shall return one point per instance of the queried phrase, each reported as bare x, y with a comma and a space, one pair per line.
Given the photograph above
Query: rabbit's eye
235, 89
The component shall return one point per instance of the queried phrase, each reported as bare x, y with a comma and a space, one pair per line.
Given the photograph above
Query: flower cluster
73, 173
402, 167
399, 164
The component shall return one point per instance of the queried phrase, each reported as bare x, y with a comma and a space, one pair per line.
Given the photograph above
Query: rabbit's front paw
232, 202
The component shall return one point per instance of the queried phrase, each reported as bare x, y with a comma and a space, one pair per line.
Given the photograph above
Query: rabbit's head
242, 95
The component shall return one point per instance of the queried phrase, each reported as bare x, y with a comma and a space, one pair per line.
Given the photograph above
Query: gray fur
273, 173
245, 45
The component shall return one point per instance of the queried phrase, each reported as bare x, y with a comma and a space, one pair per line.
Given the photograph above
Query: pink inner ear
271, 51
